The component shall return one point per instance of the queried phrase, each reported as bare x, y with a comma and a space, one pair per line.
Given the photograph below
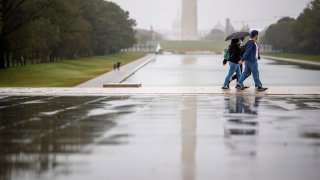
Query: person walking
118, 65
234, 77
250, 58
114, 66
234, 52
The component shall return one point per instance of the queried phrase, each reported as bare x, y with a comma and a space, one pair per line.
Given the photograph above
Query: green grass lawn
185, 46
295, 56
66, 73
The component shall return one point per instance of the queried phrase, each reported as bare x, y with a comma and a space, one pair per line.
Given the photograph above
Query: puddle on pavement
158, 137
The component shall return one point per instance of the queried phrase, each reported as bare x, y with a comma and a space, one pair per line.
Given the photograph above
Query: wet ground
76, 134
207, 70
160, 137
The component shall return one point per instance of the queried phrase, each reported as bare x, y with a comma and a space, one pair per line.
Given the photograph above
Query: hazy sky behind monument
256, 13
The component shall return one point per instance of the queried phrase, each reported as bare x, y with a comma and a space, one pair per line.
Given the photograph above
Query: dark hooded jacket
235, 53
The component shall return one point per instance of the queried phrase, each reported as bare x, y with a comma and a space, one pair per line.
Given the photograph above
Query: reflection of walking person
250, 57
118, 65
234, 52
243, 104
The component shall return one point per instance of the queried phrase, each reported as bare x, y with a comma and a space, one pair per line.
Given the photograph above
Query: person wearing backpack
233, 55
234, 77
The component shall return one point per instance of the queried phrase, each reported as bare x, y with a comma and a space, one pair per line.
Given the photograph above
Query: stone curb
304, 62
116, 77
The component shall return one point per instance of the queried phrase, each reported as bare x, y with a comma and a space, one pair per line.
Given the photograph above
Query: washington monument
189, 23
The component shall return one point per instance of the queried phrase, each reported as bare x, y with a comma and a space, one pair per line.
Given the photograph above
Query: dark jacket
235, 53
250, 52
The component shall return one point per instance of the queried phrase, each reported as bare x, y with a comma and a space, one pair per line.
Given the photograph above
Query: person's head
254, 35
234, 41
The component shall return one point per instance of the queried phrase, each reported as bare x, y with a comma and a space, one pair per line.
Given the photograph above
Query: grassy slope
66, 73
295, 56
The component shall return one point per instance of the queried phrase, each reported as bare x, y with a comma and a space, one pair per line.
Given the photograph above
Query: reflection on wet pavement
242, 114
244, 105
160, 137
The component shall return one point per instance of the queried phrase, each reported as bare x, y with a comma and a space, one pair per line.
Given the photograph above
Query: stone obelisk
189, 20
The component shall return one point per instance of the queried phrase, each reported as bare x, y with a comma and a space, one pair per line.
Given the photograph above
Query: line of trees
46, 30
301, 35
144, 36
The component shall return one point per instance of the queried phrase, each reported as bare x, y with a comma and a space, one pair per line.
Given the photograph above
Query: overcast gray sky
256, 13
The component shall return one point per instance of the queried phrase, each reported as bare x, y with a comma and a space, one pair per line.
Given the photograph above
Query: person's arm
224, 62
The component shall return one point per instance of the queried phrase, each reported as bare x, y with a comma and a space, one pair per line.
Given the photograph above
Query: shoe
260, 89
225, 87
246, 87
239, 88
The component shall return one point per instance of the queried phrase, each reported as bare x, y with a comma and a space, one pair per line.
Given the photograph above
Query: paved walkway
118, 76
274, 90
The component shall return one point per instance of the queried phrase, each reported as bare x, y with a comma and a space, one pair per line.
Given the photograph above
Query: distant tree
75, 42
143, 36
16, 14
50, 29
74, 30
307, 29
301, 35
280, 35
0, 14
112, 29
34, 41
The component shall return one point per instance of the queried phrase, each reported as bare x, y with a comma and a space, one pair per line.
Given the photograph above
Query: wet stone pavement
160, 137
